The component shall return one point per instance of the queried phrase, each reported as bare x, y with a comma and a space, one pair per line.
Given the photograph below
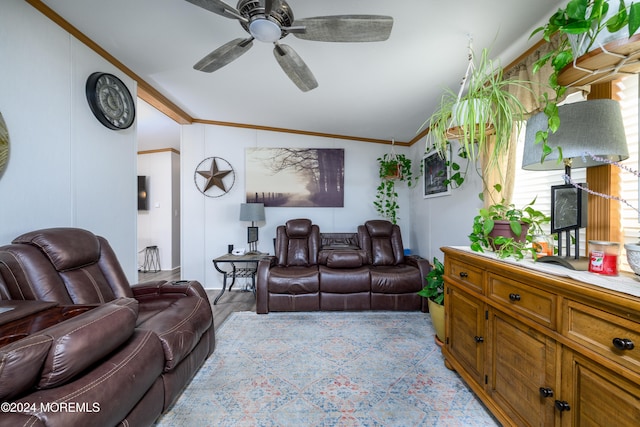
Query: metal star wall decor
214, 177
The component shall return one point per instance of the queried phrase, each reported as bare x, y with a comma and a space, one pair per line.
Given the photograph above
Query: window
530, 184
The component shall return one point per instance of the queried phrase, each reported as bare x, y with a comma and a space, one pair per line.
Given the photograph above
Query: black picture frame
568, 207
435, 175
252, 234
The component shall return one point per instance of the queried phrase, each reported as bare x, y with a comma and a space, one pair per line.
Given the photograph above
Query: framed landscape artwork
295, 177
435, 175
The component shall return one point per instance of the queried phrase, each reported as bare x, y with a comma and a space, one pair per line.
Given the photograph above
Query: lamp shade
252, 212
593, 127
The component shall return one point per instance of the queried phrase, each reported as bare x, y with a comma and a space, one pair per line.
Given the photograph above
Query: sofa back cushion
81, 341
382, 241
20, 364
297, 243
84, 263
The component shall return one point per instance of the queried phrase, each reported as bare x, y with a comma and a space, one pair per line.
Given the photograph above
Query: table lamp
589, 131
252, 212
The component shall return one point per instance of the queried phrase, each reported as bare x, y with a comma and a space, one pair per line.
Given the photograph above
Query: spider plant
487, 108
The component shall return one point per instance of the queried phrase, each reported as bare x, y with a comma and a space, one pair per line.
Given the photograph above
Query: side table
237, 272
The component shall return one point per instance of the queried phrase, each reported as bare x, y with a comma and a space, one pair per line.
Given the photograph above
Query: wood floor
236, 300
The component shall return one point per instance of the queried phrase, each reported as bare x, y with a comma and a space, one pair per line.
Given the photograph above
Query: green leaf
561, 60
516, 227
634, 18
617, 21
487, 226
577, 9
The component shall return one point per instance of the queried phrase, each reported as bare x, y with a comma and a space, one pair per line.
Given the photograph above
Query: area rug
327, 369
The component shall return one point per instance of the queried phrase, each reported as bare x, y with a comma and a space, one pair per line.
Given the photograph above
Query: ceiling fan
271, 20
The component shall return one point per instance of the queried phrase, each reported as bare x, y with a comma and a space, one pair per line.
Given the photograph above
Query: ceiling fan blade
345, 28
294, 67
219, 7
224, 55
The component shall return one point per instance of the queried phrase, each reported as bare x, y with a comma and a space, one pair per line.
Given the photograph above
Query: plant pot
394, 172
437, 318
503, 228
479, 109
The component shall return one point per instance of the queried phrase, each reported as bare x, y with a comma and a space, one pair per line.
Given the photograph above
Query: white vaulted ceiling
379, 90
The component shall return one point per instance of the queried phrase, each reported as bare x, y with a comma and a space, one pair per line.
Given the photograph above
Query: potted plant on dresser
434, 292
507, 230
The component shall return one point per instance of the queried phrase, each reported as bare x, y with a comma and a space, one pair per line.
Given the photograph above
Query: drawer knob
562, 406
464, 274
478, 339
623, 344
546, 392
514, 297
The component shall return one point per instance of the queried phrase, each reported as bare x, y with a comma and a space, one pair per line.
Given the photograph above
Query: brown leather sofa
309, 273
133, 363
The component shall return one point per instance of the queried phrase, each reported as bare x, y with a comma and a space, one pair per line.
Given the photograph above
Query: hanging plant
579, 25
487, 108
392, 167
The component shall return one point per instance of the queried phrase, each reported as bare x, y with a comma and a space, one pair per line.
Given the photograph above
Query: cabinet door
521, 377
465, 331
595, 396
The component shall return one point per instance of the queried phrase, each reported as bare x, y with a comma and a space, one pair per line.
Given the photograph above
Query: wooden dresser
541, 349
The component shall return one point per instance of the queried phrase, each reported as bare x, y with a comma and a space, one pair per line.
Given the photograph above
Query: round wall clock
110, 101
4, 145
214, 177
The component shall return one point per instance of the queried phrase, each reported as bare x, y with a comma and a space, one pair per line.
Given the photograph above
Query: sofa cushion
294, 280
341, 258
395, 279
179, 327
298, 228
83, 340
66, 248
20, 364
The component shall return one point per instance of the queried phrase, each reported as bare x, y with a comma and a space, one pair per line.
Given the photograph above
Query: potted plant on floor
434, 292
507, 230
581, 26
392, 167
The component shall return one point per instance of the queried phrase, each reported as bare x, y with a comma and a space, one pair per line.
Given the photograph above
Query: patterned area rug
327, 369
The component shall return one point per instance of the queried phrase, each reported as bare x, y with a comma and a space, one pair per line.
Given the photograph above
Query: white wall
160, 225
65, 168
446, 220
210, 224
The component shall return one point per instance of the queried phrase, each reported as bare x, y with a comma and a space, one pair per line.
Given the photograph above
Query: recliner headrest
379, 228
66, 248
297, 228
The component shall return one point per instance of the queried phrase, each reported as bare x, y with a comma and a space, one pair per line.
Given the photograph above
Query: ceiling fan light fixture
265, 30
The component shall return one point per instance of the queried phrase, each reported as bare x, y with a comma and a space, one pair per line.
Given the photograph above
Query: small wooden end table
249, 271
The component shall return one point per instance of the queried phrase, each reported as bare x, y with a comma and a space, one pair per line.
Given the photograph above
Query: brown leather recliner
74, 266
395, 278
290, 281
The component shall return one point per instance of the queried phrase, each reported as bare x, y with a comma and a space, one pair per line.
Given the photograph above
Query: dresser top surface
627, 283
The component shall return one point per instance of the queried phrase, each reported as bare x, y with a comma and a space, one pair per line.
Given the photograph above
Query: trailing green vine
392, 167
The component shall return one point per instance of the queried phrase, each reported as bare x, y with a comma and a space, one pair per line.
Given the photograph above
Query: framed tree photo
435, 178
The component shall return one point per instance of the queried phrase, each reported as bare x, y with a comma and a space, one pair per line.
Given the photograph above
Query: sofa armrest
162, 288
262, 291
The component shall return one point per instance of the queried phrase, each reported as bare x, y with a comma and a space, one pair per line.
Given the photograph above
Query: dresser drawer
612, 336
466, 274
531, 302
